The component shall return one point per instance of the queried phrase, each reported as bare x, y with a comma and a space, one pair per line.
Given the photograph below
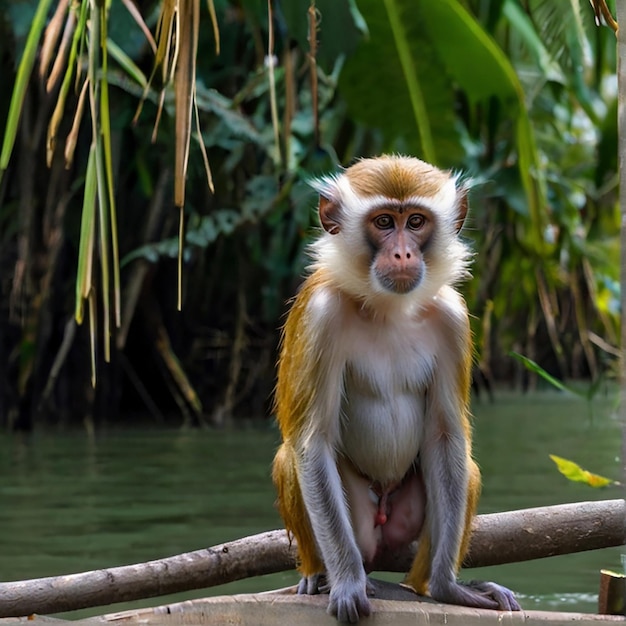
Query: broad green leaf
481, 68
471, 56
396, 82
416, 93
572, 471
402, 81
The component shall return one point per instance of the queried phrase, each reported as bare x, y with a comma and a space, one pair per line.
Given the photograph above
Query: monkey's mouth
399, 283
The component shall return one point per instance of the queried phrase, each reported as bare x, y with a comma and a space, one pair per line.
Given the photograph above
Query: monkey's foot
312, 585
482, 595
502, 595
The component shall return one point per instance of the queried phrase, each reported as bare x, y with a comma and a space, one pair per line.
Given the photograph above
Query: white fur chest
386, 375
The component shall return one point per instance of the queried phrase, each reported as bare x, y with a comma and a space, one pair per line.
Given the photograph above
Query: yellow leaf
572, 471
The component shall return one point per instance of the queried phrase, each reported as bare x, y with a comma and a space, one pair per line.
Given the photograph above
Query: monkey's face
392, 226
397, 236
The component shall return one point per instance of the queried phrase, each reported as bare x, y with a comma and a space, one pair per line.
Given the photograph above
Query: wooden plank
275, 609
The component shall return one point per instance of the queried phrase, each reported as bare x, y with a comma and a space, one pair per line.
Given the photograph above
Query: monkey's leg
420, 570
419, 574
483, 594
292, 510
503, 596
363, 509
473, 495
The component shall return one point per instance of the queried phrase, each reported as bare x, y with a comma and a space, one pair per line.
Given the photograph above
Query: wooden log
498, 538
547, 531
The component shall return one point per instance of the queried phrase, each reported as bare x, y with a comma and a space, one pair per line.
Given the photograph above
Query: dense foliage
519, 94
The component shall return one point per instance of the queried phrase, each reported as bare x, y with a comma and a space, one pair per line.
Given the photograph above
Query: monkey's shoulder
316, 303
449, 309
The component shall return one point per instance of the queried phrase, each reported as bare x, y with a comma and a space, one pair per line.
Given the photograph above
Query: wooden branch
546, 531
498, 538
540, 532
265, 553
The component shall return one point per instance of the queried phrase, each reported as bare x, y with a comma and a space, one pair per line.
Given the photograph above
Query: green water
70, 504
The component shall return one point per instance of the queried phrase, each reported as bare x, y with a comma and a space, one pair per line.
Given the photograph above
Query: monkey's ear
329, 215
462, 206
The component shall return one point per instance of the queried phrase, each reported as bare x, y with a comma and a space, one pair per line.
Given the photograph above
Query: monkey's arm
325, 502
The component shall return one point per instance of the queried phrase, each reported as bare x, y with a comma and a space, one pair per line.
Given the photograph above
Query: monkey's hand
482, 595
348, 600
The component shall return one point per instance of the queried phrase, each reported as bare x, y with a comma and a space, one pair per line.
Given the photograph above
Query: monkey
372, 392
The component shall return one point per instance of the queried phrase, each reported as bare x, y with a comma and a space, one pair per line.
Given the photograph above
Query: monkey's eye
384, 222
416, 221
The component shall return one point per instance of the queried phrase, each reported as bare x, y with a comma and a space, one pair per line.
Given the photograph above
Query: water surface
71, 504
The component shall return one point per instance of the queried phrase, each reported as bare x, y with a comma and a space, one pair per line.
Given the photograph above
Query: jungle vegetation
130, 119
